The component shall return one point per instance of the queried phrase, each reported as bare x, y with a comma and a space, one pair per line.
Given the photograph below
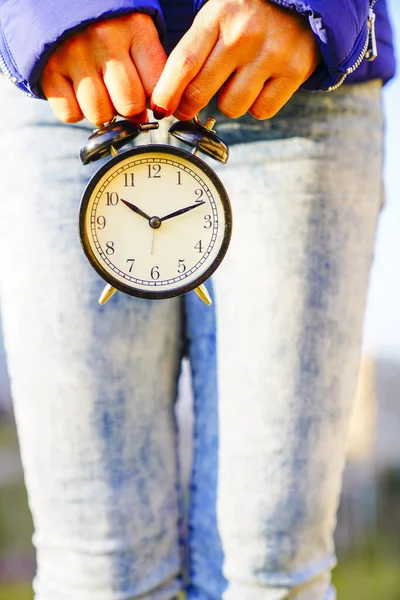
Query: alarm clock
155, 220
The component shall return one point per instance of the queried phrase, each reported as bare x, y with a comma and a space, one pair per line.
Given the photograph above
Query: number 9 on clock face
155, 221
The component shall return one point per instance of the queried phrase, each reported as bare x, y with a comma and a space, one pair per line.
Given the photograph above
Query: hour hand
136, 209
181, 211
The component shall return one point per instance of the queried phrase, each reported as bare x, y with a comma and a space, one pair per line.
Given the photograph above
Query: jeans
274, 363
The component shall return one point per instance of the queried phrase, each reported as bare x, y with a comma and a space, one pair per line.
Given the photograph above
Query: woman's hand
111, 66
256, 51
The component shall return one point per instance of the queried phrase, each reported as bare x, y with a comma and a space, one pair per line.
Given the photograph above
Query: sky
382, 325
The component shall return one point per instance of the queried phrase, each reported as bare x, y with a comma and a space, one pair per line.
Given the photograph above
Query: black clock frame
174, 151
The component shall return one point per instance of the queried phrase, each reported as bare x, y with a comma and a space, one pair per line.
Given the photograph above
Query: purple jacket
344, 29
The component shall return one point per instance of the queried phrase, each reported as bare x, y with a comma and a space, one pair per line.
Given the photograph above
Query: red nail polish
159, 112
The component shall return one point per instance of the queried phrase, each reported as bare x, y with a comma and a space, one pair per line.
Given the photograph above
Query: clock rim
153, 294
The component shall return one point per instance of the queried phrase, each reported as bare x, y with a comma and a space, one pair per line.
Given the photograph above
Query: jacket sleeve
31, 29
342, 30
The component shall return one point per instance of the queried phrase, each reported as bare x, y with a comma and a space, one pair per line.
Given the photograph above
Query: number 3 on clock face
155, 221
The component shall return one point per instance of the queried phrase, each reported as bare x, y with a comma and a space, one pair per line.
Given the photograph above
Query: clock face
155, 221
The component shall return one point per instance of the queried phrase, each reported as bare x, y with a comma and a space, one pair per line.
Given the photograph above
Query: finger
217, 69
147, 53
93, 98
140, 118
242, 90
124, 87
275, 93
184, 63
61, 97
235, 100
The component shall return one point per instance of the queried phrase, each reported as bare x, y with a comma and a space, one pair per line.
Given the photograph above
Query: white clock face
155, 221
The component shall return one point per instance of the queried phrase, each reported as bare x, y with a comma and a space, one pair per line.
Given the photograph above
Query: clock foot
203, 294
106, 294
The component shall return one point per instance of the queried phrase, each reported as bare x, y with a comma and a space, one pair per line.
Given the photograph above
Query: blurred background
368, 531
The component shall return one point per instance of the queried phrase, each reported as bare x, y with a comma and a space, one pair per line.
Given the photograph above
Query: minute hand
181, 211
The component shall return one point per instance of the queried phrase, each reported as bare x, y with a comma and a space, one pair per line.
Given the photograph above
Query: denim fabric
274, 363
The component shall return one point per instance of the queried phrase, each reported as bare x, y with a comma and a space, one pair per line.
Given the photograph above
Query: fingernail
159, 112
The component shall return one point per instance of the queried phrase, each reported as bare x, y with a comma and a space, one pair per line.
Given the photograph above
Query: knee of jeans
309, 582
315, 587
292, 551
297, 556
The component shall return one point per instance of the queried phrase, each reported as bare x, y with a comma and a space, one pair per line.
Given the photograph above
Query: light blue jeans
274, 363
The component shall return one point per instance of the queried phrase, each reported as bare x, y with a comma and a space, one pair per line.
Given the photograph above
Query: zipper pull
372, 51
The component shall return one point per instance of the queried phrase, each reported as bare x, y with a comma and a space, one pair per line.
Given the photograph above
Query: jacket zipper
12, 78
369, 51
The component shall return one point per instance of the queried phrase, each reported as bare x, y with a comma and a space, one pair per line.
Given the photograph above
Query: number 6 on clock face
155, 221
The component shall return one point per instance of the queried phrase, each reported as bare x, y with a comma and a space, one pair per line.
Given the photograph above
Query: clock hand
136, 209
181, 211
